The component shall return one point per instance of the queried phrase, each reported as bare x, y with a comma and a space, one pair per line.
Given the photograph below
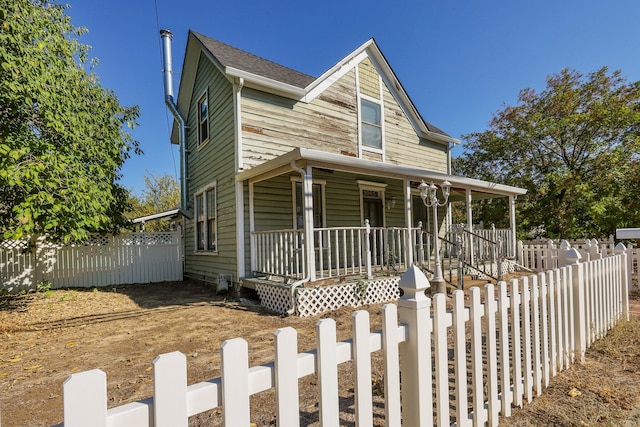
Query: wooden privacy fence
465, 365
100, 261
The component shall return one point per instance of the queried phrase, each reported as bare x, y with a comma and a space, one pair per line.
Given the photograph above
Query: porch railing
344, 251
339, 251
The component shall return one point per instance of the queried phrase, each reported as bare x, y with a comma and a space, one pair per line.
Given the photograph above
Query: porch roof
332, 161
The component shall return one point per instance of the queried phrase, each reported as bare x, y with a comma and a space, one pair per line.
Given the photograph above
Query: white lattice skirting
274, 297
508, 266
318, 299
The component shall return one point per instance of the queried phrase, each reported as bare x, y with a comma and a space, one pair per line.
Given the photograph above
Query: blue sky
460, 61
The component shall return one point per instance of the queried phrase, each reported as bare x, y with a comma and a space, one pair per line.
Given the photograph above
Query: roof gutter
167, 71
266, 82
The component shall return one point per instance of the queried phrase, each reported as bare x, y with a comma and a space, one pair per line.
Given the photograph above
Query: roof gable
271, 77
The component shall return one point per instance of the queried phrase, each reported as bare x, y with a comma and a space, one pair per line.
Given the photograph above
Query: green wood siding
273, 204
273, 201
212, 162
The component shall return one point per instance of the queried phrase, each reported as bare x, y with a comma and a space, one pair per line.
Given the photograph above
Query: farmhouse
296, 178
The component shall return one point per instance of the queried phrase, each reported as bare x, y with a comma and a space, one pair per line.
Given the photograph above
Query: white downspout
240, 230
307, 208
470, 255
512, 223
408, 218
167, 71
308, 237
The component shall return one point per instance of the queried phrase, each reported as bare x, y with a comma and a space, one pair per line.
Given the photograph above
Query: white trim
298, 180
334, 74
200, 144
358, 111
240, 234
252, 226
237, 111
261, 81
380, 103
164, 214
203, 191
372, 186
378, 169
408, 216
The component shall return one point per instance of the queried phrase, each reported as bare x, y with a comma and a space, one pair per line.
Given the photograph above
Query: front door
372, 208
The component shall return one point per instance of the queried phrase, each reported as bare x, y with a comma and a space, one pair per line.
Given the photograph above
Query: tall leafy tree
161, 193
63, 137
575, 147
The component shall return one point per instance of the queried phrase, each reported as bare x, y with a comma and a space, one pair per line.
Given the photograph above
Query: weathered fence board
101, 261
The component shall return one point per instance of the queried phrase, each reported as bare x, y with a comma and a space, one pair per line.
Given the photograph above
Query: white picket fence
547, 255
502, 348
102, 260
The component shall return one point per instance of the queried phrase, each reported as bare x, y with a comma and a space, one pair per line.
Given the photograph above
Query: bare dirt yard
45, 337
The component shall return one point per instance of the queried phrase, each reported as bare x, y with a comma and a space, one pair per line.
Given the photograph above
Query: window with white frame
203, 119
371, 124
318, 203
206, 231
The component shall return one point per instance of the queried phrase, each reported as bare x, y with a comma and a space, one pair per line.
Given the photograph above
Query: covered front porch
316, 216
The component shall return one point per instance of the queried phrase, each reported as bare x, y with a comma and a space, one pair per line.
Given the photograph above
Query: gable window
371, 124
206, 230
203, 119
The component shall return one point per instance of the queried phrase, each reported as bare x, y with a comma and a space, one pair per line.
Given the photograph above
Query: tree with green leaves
63, 137
575, 147
161, 193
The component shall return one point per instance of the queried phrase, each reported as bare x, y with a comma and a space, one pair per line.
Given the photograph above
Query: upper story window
203, 119
371, 124
206, 227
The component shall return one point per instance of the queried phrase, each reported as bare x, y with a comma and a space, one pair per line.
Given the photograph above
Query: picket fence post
415, 353
579, 302
85, 399
562, 253
170, 390
620, 249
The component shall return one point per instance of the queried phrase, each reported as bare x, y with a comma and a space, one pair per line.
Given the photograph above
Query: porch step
251, 282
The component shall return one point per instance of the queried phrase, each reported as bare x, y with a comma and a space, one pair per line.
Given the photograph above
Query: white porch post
408, 217
307, 205
252, 228
469, 226
512, 222
240, 272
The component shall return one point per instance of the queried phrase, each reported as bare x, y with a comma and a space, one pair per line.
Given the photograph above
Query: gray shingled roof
229, 56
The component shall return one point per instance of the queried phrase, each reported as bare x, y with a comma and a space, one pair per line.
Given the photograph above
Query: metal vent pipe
167, 71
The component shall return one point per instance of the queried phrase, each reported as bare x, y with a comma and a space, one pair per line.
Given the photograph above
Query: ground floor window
318, 204
206, 214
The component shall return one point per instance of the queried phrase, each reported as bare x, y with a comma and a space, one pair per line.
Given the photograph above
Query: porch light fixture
429, 196
390, 203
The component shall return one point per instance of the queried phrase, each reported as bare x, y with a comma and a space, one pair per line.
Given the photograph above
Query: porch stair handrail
482, 253
449, 253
